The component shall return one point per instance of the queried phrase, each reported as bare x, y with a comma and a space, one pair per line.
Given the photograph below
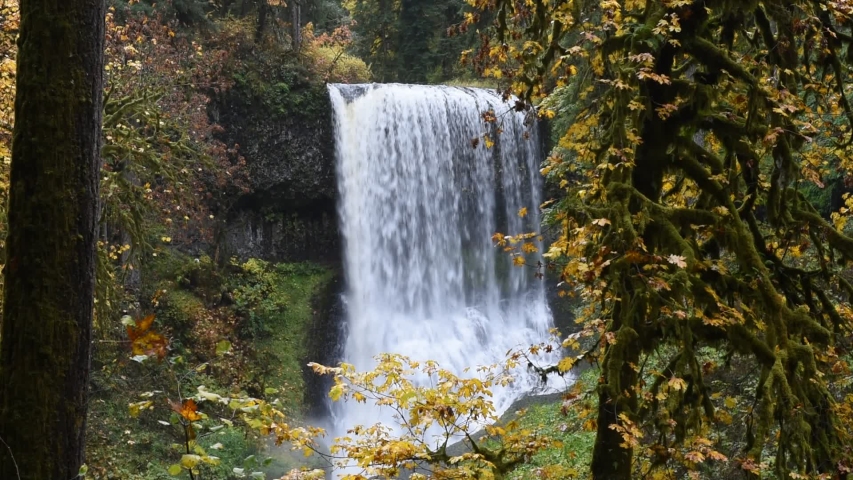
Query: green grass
572, 453
278, 300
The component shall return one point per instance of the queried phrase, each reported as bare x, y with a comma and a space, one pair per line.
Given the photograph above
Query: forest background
699, 213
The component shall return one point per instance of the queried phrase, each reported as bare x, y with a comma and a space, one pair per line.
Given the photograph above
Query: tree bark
610, 460
263, 11
296, 24
53, 210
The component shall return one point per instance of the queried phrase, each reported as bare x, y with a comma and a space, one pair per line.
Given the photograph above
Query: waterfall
419, 204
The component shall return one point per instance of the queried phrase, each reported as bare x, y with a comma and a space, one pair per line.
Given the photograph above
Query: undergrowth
239, 329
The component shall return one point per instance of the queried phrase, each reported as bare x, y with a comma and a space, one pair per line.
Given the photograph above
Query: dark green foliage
190, 13
326, 15
567, 425
281, 88
142, 448
409, 41
264, 310
416, 34
276, 305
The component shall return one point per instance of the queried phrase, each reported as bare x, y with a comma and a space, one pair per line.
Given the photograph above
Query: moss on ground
277, 303
573, 451
262, 310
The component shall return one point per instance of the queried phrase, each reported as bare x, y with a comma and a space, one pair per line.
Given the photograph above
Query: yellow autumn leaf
499, 239
336, 392
565, 364
136, 408
189, 461
677, 384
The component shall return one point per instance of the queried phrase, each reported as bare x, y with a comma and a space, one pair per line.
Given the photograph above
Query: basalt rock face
284, 132
286, 138
284, 234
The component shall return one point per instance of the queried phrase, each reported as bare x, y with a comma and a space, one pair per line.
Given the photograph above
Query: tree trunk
53, 211
263, 11
296, 24
611, 461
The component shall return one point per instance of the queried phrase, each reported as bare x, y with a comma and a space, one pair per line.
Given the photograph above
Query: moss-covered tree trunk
49, 273
610, 459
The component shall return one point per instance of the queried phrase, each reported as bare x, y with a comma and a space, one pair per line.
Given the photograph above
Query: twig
14, 462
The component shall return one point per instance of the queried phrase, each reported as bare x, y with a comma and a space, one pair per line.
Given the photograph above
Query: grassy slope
263, 310
573, 452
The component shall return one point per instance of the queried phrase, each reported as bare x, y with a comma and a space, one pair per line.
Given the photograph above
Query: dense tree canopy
692, 130
408, 40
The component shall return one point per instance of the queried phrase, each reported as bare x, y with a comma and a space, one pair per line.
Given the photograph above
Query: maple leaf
499, 239
150, 344
677, 384
565, 364
529, 248
715, 455
694, 457
144, 341
677, 260
522, 212
188, 409
137, 329
487, 140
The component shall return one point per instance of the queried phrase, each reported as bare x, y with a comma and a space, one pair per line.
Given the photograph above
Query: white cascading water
419, 206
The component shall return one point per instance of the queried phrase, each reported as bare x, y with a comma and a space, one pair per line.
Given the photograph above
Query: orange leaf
188, 410
141, 327
144, 341
145, 323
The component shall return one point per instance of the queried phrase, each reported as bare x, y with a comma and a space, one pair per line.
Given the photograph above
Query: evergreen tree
408, 40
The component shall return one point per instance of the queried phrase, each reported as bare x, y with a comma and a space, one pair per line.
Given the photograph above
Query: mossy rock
276, 303
179, 310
